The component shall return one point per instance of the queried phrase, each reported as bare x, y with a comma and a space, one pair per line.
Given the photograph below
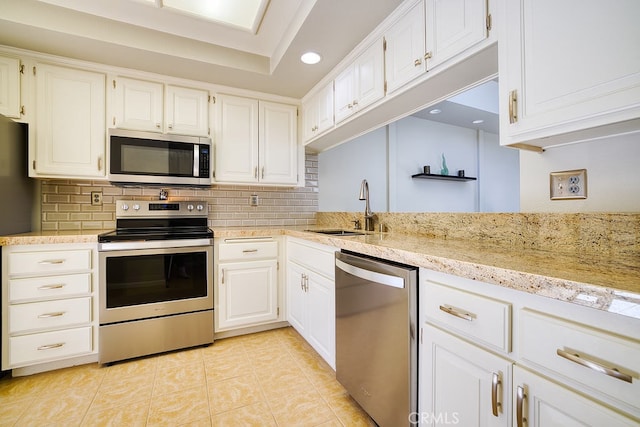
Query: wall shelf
443, 177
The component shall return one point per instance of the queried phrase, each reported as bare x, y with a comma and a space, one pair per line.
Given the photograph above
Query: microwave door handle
196, 160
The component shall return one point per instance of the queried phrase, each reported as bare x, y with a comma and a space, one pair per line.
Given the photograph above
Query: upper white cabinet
405, 48
142, 105
360, 84
255, 141
10, 87
70, 129
453, 26
318, 113
568, 70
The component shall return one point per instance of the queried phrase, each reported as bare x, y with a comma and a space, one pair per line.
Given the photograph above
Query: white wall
499, 188
613, 176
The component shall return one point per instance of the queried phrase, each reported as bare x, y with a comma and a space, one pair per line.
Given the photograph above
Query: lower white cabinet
247, 283
463, 384
311, 295
49, 304
540, 402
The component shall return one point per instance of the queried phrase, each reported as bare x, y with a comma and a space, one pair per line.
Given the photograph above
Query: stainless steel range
156, 279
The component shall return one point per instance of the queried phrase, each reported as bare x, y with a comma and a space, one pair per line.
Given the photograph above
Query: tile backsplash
66, 204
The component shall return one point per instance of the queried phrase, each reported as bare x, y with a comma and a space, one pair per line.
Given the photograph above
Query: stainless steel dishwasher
376, 349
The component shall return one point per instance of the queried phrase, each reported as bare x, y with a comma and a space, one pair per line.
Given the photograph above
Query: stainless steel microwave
155, 158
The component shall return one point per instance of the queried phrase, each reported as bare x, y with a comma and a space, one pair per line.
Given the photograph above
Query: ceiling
135, 34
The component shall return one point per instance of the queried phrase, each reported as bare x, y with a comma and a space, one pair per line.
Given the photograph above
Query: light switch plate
568, 185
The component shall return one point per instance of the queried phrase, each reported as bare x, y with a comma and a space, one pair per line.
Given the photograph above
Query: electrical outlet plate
96, 198
253, 200
568, 185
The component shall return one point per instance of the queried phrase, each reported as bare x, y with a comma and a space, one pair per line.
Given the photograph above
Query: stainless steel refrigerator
18, 195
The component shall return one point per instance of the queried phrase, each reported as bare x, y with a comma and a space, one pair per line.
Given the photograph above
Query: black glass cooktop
158, 229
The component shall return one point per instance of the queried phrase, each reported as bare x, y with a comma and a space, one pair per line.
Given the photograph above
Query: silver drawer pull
49, 287
51, 346
458, 312
247, 251
55, 314
52, 261
612, 372
521, 396
496, 406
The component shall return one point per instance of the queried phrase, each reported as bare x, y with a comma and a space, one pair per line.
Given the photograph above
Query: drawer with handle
604, 362
34, 348
49, 287
320, 258
239, 249
486, 321
32, 263
49, 314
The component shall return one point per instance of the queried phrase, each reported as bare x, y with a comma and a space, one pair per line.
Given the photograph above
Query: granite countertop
611, 285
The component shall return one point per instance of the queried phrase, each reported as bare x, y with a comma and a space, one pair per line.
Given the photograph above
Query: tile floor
271, 378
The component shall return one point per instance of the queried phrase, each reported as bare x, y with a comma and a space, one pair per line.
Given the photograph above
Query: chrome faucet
368, 215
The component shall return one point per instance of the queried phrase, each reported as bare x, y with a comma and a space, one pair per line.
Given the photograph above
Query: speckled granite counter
609, 284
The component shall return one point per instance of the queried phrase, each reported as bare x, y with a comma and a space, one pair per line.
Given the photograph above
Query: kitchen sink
338, 232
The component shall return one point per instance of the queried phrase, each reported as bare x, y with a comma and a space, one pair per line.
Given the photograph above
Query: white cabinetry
256, 141
48, 305
247, 283
151, 106
405, 48
568, 71
360, 84
311, 294
453, 26
10, 87
318, 113
70, 123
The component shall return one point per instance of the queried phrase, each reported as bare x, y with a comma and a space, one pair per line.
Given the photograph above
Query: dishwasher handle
383, 279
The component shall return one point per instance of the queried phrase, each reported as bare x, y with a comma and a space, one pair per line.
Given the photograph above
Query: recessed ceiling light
477, 122
310, 58
435, 111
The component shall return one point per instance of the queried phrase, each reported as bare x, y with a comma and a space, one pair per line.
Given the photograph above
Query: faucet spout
368, 215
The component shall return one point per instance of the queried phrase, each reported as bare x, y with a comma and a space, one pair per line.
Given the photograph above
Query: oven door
152, 282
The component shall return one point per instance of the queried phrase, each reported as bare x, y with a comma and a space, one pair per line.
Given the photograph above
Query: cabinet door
369, 71
70, 122
321, 330
544, 403
187, 111
278, 143
404, 58
453, 26
310, 118
344, 93
567, 66
236, 142
325, 118
296, 298
10, 87
138, 105
247, 293
457, 382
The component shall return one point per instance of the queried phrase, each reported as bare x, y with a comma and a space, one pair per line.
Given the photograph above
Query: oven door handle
153, 244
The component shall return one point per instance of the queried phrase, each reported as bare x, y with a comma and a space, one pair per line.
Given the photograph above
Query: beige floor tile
12, 408
256, 415
130, 415
179, 358
226, 366
114, 392
24, 386
224, 347
349, 412
204, 422
66, 407
281, 383
179, 408
179, 377
303, 409
135, 367
270, 359
234, 393
325, 383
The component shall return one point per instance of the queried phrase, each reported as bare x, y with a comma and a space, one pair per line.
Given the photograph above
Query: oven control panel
162, 209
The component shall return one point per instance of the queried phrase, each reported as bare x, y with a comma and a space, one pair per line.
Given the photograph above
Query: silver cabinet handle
458, 312
302, 282
520, 397
157, 125
47, 315
51, 346
49, 287
100, 163
247, 251
222, 278
495, 405
262, 173
612, 372
417, 62
513, 106
52, 261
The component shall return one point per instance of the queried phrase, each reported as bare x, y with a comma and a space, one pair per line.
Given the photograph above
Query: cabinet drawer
49, 314
49, 261
320, 259
29, 349
49, 287
249, 249
485, 320
552, 344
